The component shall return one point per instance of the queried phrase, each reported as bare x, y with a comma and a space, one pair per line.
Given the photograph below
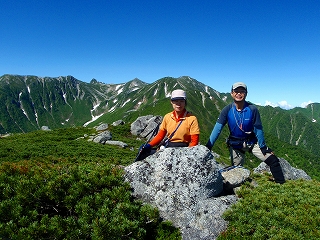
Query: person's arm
258, 129
194, 140
214, 135
222, 120
158, 138
260, 136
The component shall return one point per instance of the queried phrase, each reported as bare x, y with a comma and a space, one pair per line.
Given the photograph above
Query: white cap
178, 95
238, 84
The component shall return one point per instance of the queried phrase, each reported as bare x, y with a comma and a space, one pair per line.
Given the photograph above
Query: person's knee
272, 160
237, 161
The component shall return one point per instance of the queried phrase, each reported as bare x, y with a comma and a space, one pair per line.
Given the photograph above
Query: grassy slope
56, 185
263, 212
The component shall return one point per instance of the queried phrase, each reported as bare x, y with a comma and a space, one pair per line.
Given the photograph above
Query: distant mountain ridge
29, 102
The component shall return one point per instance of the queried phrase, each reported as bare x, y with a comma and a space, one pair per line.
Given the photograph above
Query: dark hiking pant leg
273, 162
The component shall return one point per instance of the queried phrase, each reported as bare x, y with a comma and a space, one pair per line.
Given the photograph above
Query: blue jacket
245, 124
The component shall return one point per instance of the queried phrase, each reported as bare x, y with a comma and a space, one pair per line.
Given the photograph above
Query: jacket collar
180, 117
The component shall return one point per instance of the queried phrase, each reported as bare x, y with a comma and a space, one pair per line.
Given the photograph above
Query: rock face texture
289, 172
184, 184
188, 186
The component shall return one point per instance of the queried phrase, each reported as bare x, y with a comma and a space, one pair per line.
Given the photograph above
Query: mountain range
30, 102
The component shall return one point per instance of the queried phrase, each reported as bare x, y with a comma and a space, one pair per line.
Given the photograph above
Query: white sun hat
178, 94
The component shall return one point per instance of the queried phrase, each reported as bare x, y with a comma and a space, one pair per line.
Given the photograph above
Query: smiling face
239, 94
178, 105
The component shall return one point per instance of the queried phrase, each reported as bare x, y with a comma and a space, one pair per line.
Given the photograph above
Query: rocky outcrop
145, 127
191, 189
289, 172
184, 184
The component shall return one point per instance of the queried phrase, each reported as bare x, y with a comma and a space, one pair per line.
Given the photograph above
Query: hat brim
240, 87
177, 98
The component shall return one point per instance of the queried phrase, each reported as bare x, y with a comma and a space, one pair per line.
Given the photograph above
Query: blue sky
271, 45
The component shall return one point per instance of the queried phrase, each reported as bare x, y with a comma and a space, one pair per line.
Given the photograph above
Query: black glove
266, 150
145, 147
209, 146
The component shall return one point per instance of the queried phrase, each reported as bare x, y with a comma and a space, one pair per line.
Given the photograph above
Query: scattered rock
102, 127
45, 128
102, 137
117, 123
118, 143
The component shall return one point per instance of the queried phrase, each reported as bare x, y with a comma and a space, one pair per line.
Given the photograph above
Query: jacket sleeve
158, 138
222, 120
214, 135
260, 136
194, 140
258, 129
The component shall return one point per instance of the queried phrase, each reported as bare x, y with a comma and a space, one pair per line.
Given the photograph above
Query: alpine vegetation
30, 103
64, 185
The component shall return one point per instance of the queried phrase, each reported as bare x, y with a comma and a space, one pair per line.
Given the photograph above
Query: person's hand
145, 147
266, 150
209, 147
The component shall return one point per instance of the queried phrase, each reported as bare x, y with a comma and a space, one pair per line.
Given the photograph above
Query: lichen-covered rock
183, 183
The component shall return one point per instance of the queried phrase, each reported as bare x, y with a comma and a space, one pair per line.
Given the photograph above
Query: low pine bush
54, 185
273, 211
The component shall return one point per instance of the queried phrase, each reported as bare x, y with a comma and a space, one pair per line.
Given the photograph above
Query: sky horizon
272, 46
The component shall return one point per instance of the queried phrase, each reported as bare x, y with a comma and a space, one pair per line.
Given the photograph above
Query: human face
239, 94
178, 105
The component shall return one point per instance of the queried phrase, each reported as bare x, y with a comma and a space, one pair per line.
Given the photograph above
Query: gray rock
183, 183
102, 127
289, 172
151, 125
103, 137
117, 123
234, 177
139, 124
117, 143
203, 220
45, 128
144, 124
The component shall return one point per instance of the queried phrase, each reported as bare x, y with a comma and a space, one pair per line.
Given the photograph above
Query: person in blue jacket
246, 132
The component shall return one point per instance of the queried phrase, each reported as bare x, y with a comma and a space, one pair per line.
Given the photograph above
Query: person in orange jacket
179, 128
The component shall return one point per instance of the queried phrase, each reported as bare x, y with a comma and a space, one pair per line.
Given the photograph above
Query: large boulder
143, 126
184, 184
